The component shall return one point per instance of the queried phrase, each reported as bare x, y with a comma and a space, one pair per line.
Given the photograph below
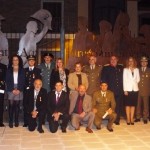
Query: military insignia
33, 76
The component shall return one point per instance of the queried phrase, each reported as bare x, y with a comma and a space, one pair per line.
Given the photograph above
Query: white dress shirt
15, 77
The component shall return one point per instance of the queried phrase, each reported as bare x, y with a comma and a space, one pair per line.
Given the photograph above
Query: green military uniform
102, 104
144, 93
94, 75
46, 73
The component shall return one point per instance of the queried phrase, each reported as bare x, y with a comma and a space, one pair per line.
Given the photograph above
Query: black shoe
145, 121
10, 125
128, 123
63, 130
40, 130
98, 128
110, 130
16, 124
25, 125
2, 125
137, 120
132, 123
117, 123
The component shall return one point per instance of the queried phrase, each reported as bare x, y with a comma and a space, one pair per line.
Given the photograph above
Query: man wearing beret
31, 73
144, 92
2, 87
104, 106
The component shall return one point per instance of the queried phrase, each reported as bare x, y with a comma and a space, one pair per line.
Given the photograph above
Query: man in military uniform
93, 72
46, 69
2, 88
144, 92
31, 73
104, 106
113, 75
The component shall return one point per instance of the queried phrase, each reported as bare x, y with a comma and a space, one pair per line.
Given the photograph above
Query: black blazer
55, 77
10, 79
40, 102
62, 105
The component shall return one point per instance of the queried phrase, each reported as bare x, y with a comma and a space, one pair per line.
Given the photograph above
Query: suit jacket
55, 77
62, 105
46, 73
73, 80
87, 102
103, 103
130, 82
93, 78
40, 101
144, 84
10, 79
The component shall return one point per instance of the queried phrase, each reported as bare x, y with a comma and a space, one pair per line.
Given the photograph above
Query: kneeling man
36, 105
81, 109
104, 106
58, 108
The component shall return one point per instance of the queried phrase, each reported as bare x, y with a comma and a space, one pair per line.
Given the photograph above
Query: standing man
2, 88
58, 108
31, 73
113, 75
93, 72
104, 106
36, 105
144, 92
46, 69
77, 78
81, 109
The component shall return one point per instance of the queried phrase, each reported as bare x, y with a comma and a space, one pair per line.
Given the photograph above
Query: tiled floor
124, 137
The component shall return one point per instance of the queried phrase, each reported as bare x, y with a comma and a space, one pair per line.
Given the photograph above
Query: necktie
80, 109
143, 69
35, 98
57, 98
30, 69
47, 66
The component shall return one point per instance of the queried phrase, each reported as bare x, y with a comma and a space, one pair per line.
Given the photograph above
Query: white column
132, 9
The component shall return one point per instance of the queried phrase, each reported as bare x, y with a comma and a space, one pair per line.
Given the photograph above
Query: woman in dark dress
15, 79
59, 73
131, 79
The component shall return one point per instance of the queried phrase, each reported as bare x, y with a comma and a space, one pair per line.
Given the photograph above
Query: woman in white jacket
131, 79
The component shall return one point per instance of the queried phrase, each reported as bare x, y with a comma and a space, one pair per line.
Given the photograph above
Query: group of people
88, 95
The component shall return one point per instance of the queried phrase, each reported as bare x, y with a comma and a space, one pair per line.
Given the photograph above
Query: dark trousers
119, 106
25, 114
63, 122
32, 122
14, 107
1, 108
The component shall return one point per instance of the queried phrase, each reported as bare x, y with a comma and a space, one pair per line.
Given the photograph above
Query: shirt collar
58, 92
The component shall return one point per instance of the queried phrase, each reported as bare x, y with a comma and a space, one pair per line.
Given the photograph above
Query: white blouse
15, 77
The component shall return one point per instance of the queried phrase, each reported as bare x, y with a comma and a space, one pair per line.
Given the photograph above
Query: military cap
31, 57
49, 54
144, 58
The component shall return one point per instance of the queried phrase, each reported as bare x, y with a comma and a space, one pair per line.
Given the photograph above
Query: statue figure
27, 44
3, 45
104, 40
122, 40
84, 40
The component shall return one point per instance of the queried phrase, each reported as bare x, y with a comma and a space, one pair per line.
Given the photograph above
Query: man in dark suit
36, 105
58, 108
113, 74
31, 73
2, 88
